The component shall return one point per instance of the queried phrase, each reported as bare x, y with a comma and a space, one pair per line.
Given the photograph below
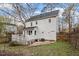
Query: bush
4, 40
14, 43
36, 40
42, 39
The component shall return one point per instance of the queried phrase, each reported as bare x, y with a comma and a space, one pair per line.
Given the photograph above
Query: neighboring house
10, 28
8, 24
39, 27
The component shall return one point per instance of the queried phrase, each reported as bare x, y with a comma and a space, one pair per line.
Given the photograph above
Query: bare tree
68, 17
21, 12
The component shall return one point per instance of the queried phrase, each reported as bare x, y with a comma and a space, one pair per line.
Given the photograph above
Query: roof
43, 16
31, 27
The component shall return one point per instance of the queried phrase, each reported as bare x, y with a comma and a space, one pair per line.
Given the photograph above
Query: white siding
48, 29
44, 30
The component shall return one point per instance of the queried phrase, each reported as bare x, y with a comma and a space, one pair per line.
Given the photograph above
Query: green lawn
59, 48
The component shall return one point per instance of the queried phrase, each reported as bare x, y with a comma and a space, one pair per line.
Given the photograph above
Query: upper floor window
35, 32
36, 22
31, 23
49, 20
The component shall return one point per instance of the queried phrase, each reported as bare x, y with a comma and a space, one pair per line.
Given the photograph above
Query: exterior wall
45, 29
48, 30
33, 36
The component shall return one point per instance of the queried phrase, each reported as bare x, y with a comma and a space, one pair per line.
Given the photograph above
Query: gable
43, 16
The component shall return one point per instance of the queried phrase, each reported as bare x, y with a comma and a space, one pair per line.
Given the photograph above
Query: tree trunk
70, 27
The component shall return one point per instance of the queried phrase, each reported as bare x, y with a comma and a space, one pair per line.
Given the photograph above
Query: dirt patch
41, 43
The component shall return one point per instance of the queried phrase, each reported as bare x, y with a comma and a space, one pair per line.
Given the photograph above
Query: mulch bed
7, 53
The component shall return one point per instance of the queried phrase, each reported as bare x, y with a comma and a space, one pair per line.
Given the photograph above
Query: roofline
30, 19
31, 27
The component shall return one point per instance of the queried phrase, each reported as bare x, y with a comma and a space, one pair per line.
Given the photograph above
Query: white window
49, 20
30, 32
35, 32
31, 23
36, 22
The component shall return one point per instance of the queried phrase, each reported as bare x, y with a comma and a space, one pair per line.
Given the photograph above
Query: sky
5, 6
38, 6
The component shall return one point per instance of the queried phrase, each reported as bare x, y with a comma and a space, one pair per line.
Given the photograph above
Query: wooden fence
5, 39
72, 38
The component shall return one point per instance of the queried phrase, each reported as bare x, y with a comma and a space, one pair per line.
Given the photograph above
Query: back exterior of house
39, 27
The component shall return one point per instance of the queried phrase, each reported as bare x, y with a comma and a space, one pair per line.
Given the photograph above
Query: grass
60, 48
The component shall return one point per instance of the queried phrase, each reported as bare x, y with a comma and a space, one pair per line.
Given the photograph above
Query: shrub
4, 40
36, 40
14, 43
42, 39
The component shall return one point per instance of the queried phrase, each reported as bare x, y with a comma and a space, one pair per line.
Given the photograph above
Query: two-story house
42, 26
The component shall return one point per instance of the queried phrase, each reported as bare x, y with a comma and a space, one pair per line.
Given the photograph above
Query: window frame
35, 32
36, 22
49, 20
31, 24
